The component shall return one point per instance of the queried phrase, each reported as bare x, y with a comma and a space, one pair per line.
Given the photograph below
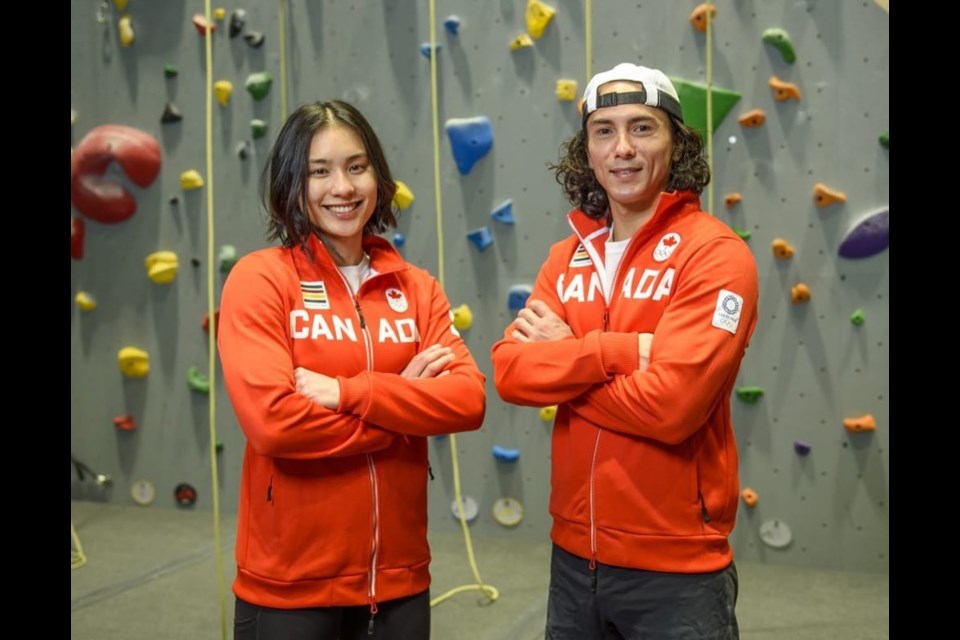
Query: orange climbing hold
753, 118
750, 497
799, 293
732, 199
784, 90
863, 423
698, 18
782, 249
824, 196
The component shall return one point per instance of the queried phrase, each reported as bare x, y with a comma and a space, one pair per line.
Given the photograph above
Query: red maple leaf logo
669, 241
394, 294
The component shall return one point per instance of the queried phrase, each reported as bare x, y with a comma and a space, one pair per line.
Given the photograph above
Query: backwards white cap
657, 90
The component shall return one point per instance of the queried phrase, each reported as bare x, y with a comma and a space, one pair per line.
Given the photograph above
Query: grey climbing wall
815, 366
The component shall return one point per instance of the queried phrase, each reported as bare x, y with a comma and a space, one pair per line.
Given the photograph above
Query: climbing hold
185, 495
749, 394
171, 114
504, 212
120, 4
237, 20
746, 234
824, 196
73, 117
254, 38
425, 49
732, 199
78, 232
780, 40
505, 455
127, 36
885, 140
857, 318
857, 425
219, 446
469, 509
243, 149
104, 200
223, 89
161, 266
85, 301
799, 293
782, 249
567, 90
869, 236
399, 239
750, 497
507, 511
693, 101
521, 42
481, 237
219, 13
124, 423
206, 321
698, 17
783, 90
462, 317
538, 17
403, 197
227, 257
143, 492
517, 296
174, 200
133, 362
752, 118
197, 381
801, 447
194, 262
547, 414
191, 179
452, 24
258, 128
775, 534
258, 84
169, 70
470, 140
200, 22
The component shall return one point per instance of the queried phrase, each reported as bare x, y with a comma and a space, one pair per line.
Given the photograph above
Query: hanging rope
710, 107
283, 59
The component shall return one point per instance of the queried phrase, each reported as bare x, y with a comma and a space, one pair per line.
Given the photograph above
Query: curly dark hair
688, 169
283, 184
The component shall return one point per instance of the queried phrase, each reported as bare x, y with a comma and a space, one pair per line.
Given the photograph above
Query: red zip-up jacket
644, 464
333, 504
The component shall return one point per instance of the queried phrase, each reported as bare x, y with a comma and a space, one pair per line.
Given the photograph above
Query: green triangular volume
693, 100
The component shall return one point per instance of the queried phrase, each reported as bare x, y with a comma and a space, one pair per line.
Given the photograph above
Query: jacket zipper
593, 523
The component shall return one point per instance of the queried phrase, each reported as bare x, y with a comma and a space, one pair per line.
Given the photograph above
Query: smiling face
629, 147
341, 188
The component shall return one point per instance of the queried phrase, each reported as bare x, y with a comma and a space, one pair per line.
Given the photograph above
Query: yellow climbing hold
85, 301
538, 17
162, 266
219, 13
126, 31
403, 197
191, 179
462, 318
521, 41
223, 89
120, 4
567, 90
547, 414
134, 362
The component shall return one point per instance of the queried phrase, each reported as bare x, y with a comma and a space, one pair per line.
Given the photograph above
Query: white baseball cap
657, 90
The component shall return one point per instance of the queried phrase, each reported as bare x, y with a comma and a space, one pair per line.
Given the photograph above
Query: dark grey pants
631, 604
407, 618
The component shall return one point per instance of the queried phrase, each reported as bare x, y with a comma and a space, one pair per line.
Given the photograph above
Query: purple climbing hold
801, 447
470, 139
869, 236
481, 237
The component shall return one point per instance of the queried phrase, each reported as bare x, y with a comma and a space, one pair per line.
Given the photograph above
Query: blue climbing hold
452, 23
470, 139
425, 49
517, 296
504, 213
869, 236
505, 455
480, 237
399, 239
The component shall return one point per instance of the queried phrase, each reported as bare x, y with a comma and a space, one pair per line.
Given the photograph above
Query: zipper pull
373, 612
356, 304
593, 575
606, 317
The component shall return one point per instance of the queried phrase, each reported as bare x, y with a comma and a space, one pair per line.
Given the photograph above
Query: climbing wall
799, 127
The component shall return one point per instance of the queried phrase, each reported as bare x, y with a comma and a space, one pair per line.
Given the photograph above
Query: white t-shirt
613, 253
357, 274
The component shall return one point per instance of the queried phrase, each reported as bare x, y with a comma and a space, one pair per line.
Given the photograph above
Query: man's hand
538, 323
429, 363
317, 387
645, 343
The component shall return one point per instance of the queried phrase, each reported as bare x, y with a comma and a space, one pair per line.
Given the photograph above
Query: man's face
629, 148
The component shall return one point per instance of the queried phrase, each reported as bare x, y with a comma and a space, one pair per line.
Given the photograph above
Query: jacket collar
671, 204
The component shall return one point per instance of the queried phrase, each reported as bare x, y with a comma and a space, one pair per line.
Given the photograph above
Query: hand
645, 343
429, 363
317, 387
538, 323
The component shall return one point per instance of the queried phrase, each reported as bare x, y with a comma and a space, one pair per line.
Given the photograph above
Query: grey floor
154, 574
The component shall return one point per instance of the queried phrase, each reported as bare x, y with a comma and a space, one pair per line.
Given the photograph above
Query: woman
339, 358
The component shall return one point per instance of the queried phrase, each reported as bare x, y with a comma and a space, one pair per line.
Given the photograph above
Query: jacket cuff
620, 353
355, 394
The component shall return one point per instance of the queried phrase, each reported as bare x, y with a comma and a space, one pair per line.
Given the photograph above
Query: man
644, 479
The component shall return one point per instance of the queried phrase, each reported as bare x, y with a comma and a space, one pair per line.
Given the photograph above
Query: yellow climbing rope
710, 106
77, 557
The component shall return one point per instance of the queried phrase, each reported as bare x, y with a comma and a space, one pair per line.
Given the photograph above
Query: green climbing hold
885, 139
743, 233
258, 127
197, 381
693, 101
857, 317
258, 84
228, 257
169, 70
219, 446
749, 394
780, 40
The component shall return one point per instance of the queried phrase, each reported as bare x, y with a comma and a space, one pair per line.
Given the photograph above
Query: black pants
631, 604
403, 618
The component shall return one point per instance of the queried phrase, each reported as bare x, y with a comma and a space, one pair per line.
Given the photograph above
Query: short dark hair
283, 184
688, 169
